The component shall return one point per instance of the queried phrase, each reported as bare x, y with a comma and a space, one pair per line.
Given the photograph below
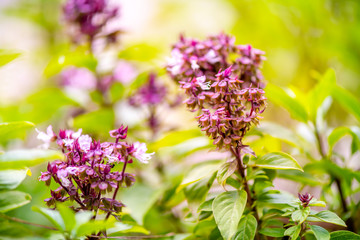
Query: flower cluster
305, 199
87, 173
151, 93
191, 59
89, 17
229, 103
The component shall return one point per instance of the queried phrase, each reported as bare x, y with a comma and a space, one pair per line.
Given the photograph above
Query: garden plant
194, 147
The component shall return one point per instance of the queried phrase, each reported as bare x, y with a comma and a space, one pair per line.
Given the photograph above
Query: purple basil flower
305, 199
120, 133
87, 171
151, 93
81, 78
89, 16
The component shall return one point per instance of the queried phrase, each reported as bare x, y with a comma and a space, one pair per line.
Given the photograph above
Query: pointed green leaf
321, 91
329, 217
52, 215
320, 233
19, 159
277, 160
225, 171
67, 215
10, 200
199, 172
300, 215
347, 101
340, 132
195, 193
228, 208
273, 232
10, 179
247, 228
93, 227
293, 232
11, 127
342, 234
278, 96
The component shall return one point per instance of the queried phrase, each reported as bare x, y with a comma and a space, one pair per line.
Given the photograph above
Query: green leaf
10, 200
277, 160
272, 232
199, 172
321, 91
174, 138
122, 227
300, 177
228, 208
340, 132
278, 96
7, 56
280, 132
300, 215
347, 101
247, 228
93, 227
19, 159
316, 203
139, 206
10, 179
329, 217
320, 233
11, 127
44, 104
139, 52
79, 58
53, 216
342, 234
100, 121
206, 206
293, 232
225, 171
67, 215
195, 193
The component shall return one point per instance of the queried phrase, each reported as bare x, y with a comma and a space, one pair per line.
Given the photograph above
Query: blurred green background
301, 40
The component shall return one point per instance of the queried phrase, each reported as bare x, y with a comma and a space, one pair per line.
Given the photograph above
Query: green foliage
292, 105
340, 235
19, 159
100, 121
74, 225
10, 179
277, 160
228, 208
329, 217
7, 56
247, 228
347, 101
320, 233
10, 200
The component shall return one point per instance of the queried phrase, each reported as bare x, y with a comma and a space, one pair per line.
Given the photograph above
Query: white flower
140, 152
62, 174
77, 134
194, 64
72, 170
85, 142
201, 82
68, 142
211, 57
46, 137
175, 62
